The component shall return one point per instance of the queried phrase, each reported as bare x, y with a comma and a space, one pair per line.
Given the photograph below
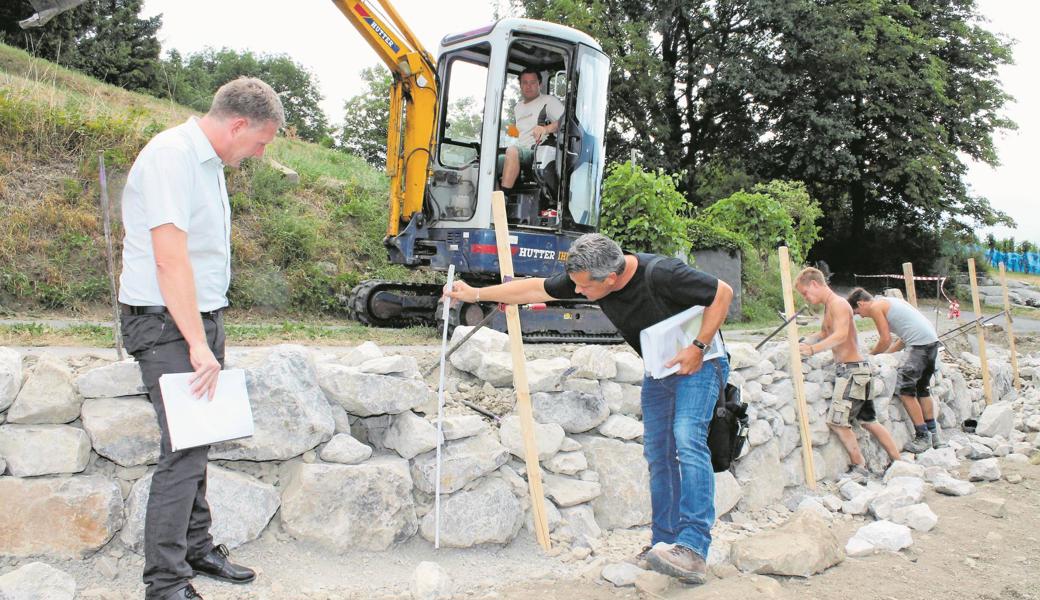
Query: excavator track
394, 304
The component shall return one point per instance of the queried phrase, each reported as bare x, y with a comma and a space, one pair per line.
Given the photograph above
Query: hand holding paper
689, 360
666, 345
196, 421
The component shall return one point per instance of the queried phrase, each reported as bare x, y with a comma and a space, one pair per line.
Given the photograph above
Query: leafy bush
703, 235
770, 215
643, 211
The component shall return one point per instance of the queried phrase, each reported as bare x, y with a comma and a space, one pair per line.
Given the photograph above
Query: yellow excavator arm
413, 103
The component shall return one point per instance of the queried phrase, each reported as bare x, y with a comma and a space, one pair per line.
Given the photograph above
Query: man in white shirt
526, 115
173, 288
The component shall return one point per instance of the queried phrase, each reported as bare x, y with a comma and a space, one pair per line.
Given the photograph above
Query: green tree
192, 80
366, 117
105, 39
874, 105
878, 104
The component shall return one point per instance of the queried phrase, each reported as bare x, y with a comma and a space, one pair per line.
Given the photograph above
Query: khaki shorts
852, 395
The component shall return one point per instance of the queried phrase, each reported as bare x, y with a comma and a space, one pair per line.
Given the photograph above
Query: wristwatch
700, 344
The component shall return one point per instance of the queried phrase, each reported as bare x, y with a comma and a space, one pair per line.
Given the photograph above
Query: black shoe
185, 593
215, 564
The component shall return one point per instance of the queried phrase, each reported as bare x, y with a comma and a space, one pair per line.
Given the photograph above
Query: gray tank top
909, 324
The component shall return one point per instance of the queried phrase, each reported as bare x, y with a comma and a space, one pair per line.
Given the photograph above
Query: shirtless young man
852, 397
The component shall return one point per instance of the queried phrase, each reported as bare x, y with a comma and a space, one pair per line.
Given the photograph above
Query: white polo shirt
526, 115
178, 178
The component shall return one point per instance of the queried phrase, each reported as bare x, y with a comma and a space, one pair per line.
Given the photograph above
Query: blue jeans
676, 413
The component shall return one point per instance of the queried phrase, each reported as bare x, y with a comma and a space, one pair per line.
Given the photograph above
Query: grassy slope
295, 248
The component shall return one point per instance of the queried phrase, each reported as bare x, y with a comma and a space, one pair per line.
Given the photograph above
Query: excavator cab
554, 200
557, 190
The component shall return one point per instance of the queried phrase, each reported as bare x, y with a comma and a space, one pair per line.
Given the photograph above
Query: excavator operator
525, 114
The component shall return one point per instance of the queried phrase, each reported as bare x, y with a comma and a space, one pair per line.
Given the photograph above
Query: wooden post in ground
987, 389
523, 393
908, 276
796, 370
106, 219
1010, 331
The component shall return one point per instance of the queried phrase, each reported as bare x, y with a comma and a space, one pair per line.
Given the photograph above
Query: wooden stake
908, 276
1010, 330
106, 219
796, 370
523, 393
987, 389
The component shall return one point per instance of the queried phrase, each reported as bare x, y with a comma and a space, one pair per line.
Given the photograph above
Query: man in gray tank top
916, 334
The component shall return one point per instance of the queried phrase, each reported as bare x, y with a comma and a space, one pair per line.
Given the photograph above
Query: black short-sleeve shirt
631, 309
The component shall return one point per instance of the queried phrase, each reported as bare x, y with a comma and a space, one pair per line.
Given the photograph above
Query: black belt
129, 310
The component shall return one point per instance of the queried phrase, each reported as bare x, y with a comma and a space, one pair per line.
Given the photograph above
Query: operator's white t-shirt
526, 115
178, 178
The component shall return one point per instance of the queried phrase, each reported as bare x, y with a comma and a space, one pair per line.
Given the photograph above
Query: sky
316, 35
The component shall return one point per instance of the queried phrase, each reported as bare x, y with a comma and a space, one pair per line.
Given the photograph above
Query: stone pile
1019, 293
344, 455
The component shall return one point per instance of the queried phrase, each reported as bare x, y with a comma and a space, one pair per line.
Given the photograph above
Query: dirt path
968, 556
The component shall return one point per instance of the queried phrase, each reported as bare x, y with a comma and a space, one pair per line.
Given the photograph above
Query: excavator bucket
47, 10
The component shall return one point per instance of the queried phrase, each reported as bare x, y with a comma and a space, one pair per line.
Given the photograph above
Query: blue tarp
1018, 262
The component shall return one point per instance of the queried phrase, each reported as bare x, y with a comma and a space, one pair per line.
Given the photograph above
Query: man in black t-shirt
676, 409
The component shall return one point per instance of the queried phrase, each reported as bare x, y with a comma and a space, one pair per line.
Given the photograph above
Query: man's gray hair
597, 255
250, 98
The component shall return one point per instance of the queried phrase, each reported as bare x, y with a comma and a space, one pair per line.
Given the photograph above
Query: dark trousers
177, 522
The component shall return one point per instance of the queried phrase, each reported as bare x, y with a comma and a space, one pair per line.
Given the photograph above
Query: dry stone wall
344, 451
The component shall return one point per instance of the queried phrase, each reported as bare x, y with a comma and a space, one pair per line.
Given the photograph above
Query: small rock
462, 426
939, 457
814, 505
565, 491
901, 468
47, 396
985, 470
997, 419
37, 581
652, 583
1011, 477
916, 516
410, 435
630, 368
621, 427
801, 547
950, 486
883, 536
621, 574
994, 507
594, 362
111, 381
548, 437
346, 450
567, 463
430, 582
401, 366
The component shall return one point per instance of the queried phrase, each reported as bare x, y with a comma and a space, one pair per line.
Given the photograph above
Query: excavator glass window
453, 187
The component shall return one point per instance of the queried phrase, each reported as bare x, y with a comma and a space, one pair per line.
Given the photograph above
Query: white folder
199, 421
661, 341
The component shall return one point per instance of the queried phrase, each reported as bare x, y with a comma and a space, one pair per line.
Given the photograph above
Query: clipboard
199, 421
661, 341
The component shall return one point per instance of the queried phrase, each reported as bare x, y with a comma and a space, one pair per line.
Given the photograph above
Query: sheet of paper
662, 341
197, 422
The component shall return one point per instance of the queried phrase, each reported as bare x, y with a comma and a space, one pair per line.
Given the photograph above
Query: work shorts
852, 395
915, 374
